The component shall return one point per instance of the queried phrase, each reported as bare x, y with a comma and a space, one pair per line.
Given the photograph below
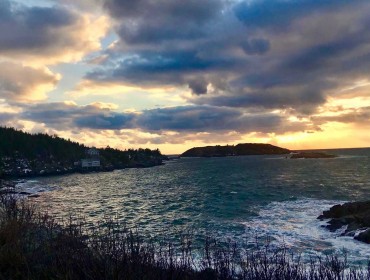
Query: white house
92, 160
87, 163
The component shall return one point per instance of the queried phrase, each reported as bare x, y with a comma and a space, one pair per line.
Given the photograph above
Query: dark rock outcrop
238, 150
364, 236
354, 215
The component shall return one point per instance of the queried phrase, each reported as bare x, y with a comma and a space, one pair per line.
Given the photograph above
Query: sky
174, 74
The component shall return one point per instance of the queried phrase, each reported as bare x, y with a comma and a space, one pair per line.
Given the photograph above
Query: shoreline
8, 183
59, 172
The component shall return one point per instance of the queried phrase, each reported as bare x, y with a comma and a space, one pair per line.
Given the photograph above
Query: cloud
104, 121
287, 55
256, 46
157, 68
6, 117
67, 115
22, 83
354, 116
300, 99
146, 21
239, 67
210, 118
279, 14
198, 86
190, 119
51, 34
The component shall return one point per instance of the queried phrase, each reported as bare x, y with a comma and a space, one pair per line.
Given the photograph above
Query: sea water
231, 197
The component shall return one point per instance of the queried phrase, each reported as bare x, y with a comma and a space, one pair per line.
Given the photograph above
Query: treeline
118, 158
32, 146
25, 154
238, 150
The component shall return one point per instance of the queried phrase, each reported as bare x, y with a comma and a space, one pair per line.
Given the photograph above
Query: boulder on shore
354, 215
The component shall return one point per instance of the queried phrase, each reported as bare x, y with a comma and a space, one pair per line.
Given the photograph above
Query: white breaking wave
295, 225
34, 187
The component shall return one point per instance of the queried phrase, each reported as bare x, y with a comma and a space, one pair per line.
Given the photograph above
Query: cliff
238, 150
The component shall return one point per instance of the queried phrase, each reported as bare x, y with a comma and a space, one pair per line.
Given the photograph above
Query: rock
347, 209
34, 196
25, 193
352, 227
356, 215
335, 224
364, 236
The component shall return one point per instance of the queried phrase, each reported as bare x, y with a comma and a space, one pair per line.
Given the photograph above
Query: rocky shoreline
354, 215
9, 188
22, 168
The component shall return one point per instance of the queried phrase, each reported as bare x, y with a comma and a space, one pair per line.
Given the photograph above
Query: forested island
23, 154
237, 150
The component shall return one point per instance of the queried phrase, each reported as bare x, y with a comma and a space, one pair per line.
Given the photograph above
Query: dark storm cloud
147, 21
264, 54
159, 67
64, 116
330, 57
256, 46
279, 13
210, 118
24, 28
101, 121
198, 86
342, 56
301, 99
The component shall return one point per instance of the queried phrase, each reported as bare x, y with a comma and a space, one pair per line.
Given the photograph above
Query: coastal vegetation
23, 154
33, 245
237, 150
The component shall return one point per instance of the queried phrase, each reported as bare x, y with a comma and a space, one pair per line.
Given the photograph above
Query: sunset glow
177, 74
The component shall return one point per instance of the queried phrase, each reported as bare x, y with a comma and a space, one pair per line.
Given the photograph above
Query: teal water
235, 197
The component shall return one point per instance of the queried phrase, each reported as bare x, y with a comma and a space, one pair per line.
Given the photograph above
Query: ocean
236, 198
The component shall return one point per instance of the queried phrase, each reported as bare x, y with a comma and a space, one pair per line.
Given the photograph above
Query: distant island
311, 155
24, 155
237, 150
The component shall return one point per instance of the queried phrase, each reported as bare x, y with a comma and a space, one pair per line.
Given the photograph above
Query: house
92, 160
90, 163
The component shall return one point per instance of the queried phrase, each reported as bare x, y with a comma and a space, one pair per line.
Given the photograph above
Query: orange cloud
23, 83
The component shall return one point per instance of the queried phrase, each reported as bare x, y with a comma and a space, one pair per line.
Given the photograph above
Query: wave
294, 224
33, 187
